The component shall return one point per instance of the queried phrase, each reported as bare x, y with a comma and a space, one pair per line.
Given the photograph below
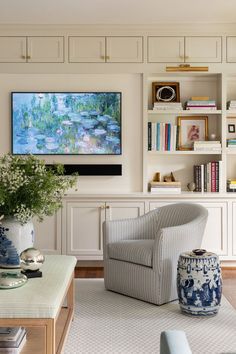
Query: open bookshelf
180, 162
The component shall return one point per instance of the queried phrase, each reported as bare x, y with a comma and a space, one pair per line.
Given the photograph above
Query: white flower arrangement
29, 188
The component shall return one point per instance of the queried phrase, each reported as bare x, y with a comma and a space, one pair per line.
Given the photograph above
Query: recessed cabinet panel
48, 234
215, 235
86, 49
124, 210
124, 49
203, 49
234, 227
84, 228
12, 49
231, 49
165, 49
45, 49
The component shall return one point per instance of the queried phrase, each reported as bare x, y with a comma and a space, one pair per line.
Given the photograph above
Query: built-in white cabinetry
82, 226
165, 49
184, 49
48, 234
45, 49
232, 222
87, 49
231, 49
32, 49
12, 49
105, 49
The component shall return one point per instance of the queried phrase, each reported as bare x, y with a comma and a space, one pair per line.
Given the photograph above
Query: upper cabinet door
12, 49
203, 49
45, 49
124, 49
86, 49
231, 49
165, 49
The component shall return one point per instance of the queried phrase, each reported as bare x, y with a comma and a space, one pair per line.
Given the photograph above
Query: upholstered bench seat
133, 251
39, 297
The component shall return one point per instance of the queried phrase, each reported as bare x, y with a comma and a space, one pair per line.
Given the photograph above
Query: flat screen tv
66, 123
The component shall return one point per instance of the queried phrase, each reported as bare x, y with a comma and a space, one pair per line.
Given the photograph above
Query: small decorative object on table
199, 283
12, 280
31, 260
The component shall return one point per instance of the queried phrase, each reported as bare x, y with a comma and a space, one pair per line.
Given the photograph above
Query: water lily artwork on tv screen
63, 123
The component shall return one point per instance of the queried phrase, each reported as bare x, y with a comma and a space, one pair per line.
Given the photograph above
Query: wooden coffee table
45, 306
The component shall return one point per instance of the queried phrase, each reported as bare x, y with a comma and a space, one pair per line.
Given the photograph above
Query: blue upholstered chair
174, 342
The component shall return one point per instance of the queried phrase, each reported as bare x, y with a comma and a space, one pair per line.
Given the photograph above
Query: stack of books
231, 185
165, 187
172, 106
231, 143
162, 136
201, 104
12, 339
208, 177
231, 105
207, 146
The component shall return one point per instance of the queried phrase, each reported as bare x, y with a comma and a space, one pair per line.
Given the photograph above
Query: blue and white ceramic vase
199, 283
14, 238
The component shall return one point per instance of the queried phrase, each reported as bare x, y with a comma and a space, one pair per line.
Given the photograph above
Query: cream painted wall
131, 158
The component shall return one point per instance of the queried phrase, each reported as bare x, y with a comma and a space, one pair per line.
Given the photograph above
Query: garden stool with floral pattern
199, 283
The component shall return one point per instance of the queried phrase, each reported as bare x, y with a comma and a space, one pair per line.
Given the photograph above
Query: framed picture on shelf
191, 129
165, 92
231, 128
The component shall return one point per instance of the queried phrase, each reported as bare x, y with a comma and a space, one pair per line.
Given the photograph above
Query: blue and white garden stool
199, 283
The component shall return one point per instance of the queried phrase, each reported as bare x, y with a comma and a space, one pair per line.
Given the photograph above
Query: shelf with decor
178, 128
230, 132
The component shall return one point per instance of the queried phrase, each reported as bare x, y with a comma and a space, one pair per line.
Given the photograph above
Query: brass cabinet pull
107, 57
23, 57
103, 57
28, 57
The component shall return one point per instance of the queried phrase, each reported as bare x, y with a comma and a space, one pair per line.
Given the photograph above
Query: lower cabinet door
215, 235
124, 210
48, 234
82, 229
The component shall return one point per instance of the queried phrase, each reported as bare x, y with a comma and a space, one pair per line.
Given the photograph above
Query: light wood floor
95, 270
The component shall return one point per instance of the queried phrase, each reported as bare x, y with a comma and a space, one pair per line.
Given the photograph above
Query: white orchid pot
14, 238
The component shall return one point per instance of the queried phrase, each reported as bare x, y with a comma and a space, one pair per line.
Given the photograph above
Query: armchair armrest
171, 241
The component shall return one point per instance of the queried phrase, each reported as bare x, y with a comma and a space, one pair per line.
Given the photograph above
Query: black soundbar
93, 170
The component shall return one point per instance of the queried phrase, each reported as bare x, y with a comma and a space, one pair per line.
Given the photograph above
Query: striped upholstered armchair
140, 255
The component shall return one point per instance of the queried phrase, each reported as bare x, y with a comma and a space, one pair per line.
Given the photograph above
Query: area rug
106, 322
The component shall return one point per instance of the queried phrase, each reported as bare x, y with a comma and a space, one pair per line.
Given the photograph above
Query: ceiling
116, 11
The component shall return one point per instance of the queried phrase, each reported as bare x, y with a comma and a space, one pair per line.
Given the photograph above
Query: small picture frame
165, 92
191, 129
231, 128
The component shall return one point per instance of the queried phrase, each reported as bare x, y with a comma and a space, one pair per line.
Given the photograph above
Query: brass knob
102, 207
108, 207
108, 57
103, 57
23, 57
28, 57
